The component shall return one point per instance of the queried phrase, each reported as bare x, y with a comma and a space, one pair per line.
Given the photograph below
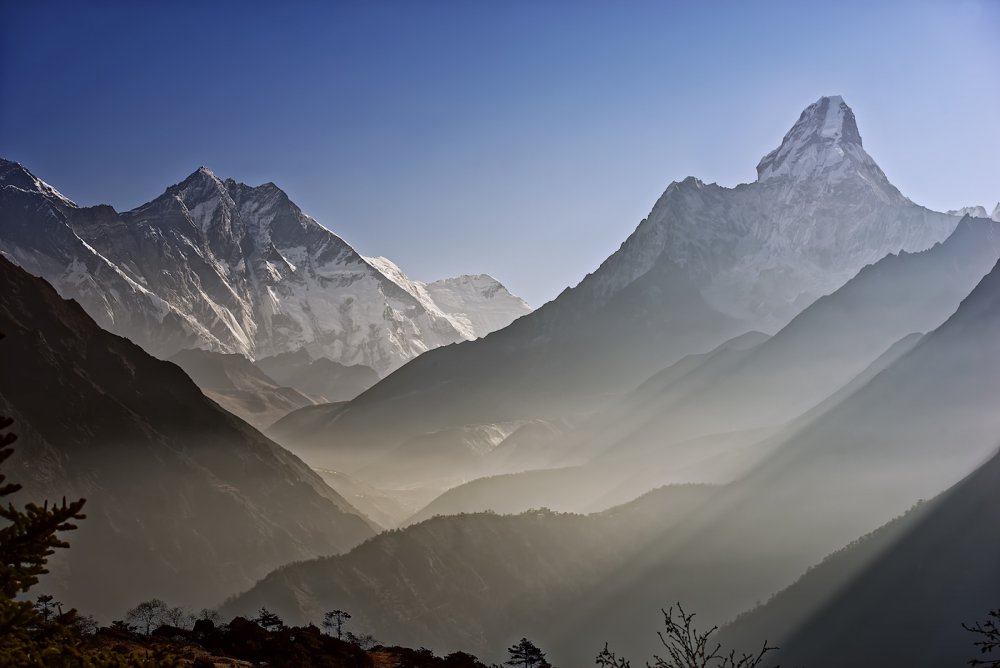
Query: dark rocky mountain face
184, 501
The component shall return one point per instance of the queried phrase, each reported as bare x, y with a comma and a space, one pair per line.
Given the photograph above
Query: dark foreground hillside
243, 642
184, 500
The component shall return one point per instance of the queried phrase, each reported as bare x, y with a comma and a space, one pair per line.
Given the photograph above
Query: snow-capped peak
974, 211
474, 305
13, 174
838, 120
977, 212
199, 179
825, 134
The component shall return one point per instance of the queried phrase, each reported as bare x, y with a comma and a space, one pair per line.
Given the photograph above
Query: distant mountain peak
230, 267
825, 134
200, 176
829, 118
977, 212
14, 174
974, 211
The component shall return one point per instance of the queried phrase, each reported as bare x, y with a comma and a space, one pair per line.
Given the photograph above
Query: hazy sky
522, 139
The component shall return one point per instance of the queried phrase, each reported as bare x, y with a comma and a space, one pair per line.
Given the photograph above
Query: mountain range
707, 417
707, 264
756, 378
978, 212
232, 268
861, 417
897, 434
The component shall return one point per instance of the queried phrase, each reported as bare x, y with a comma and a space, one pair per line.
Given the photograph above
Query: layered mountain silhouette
264, 391
476, 581
184, 500
708, 263
236, 384
917, 422
322, 377
758, 377
237, 269
912, 430
709, 417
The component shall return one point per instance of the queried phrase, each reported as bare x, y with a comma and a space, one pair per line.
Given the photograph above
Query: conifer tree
268, 620
27, 539
39, 634
525, 655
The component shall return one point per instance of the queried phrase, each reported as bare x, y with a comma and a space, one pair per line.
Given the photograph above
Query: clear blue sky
523, 139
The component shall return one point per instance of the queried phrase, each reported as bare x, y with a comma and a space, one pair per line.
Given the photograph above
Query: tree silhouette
147, 615
179, 617
85, 625
365, 641
210, 615
29, 538
335, 619
526, 655
688, 648
989, 639
268, 620
32, 633
46, 605
607, 659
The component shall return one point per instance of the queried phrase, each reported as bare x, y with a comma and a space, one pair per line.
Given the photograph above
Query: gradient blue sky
521, 139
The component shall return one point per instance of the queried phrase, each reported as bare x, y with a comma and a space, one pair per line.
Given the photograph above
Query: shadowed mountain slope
911, 431
896, 597
472, 581
184, 501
